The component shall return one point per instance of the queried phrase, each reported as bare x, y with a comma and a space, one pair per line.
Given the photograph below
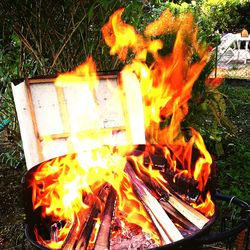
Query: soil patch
12, 216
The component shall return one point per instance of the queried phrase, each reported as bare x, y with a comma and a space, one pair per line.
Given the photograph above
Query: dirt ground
12, 214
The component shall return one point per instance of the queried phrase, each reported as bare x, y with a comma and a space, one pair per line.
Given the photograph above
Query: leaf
16, 40
91, 11
105, 4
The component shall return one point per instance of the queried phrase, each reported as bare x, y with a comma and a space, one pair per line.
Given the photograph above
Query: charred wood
82, 228
54, 230
183, 184
171, 197
103, 237
158, 162
74, 232
180, 183
146, 178
85, 235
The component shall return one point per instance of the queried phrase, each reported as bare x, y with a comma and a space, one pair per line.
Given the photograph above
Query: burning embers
115, 196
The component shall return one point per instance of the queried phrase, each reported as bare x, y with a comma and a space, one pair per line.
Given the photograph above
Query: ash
134, 242
131, 238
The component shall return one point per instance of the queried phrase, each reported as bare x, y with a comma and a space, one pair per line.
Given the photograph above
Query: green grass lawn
234, 165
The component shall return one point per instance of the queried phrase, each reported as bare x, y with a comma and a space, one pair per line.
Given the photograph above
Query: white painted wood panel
29, 138
47, 112
115, 117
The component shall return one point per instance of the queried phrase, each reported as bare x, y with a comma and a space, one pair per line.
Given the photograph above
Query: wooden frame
45, 116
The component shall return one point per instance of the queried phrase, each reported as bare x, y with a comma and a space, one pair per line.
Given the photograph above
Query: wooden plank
165, 239
64, 115
41, 80
80, 233
28, 135
150, 202
53, 79
48, 109
133, 107
80, 134
190, 213
178, 217
34, 122
54, 136
104, 233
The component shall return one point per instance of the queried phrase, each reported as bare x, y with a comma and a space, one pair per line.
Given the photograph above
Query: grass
233, 168
234, 165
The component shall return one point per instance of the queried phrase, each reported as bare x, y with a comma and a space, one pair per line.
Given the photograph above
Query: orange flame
207, 207
166, 86
121, 37
61, 185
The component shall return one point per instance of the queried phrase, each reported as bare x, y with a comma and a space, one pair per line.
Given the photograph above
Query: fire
166, 86
66, 188
206, 207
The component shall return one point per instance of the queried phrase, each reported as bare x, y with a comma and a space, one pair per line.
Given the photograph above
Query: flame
213, 83
207, 207
166, 86
60, 188
121, 37
67, 186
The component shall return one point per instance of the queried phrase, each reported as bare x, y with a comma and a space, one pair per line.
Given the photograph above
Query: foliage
235, 170
9, 65
213, 15
244, 15
13, 157
217, 15
7, 112
9, 60
58, 36
207, 111
234, 166
12, 153
222, 116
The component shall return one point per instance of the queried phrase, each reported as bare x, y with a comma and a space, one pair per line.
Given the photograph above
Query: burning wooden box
109, 165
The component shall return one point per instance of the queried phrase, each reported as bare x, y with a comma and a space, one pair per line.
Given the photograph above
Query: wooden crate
54, 120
